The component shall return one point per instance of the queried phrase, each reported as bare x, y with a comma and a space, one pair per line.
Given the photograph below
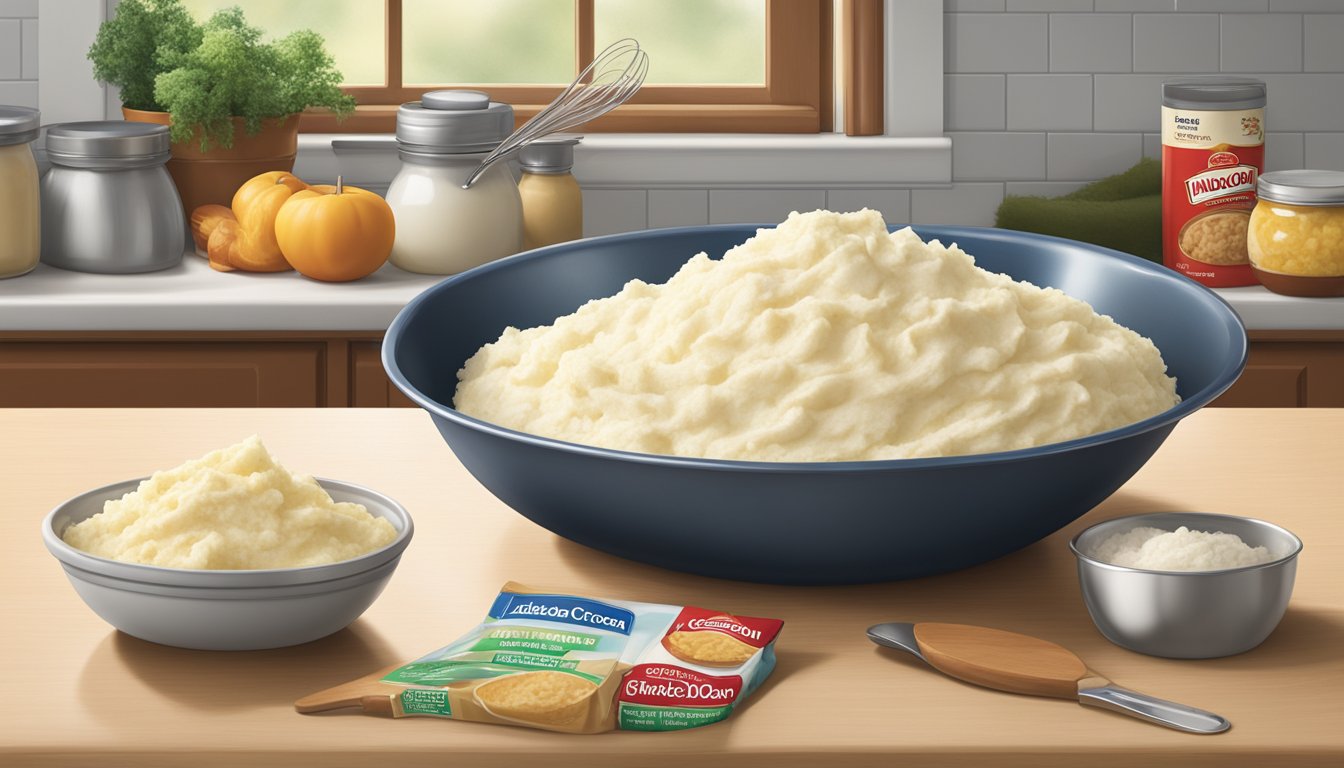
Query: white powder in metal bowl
1153, 549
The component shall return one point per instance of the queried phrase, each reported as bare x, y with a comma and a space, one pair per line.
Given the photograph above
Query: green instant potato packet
576, 664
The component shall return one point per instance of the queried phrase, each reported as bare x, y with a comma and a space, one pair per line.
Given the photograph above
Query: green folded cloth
1123, 212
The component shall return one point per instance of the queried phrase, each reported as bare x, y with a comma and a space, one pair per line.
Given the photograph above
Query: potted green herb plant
232, 100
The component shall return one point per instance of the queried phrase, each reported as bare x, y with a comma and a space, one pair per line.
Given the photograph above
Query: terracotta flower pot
213, 176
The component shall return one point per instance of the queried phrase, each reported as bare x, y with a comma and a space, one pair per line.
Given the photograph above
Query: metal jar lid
108, 144
453, 122
1213, 93
553, 154
18, 125
1302, 187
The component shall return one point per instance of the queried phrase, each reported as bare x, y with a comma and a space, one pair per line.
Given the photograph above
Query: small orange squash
262, 185
247, 242
204, 220
335, 233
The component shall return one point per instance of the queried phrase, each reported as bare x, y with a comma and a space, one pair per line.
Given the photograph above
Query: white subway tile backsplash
1304, 102
1127, 103
609, 211
1262, 42
972, 205
1325, 150
893, 204
973, 103
11, 49
1152, 145
1135, 6
1043, 188
988, 42
1050, 5
972, 6
997, 156
1049, 102
23, 9
1307, 6
1091, 42
29, 43
1222, 6
1323, 44
1088, 156
1176, 42
729, 206
1283, 151
19, 93
678, 207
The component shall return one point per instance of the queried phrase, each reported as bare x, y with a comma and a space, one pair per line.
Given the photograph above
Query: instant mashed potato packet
576, 665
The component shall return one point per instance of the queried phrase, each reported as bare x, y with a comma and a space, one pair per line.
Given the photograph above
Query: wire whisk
608, 82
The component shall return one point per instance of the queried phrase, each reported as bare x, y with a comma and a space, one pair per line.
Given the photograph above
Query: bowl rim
1296, 542
231, 579
1231, 321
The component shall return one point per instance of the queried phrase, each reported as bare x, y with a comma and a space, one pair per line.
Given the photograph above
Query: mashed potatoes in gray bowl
825, 339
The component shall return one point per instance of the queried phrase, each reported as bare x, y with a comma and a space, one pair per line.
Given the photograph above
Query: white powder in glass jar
1153, 549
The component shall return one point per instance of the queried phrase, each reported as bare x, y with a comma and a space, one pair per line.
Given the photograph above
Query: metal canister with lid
108, 203
20, 220
552, 199
441, 228
1296, 236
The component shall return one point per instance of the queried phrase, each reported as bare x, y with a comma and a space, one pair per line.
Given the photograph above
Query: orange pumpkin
248, 241
335, 233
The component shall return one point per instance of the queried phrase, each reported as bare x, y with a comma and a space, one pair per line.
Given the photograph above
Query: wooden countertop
79, 693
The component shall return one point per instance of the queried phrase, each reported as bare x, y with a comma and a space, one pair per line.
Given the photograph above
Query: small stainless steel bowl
1188, 614
227, 610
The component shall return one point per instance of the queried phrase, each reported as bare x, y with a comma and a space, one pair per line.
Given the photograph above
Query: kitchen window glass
352, 29
715, 65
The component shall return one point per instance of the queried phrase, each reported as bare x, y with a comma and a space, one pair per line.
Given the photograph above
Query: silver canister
108, 203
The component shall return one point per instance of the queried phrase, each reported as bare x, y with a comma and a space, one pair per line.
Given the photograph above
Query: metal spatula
1007, 661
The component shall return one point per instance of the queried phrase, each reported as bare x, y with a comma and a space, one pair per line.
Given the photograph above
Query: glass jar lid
18, 125
453, 122
108, 144
1307, 187
1215, 92
552, 154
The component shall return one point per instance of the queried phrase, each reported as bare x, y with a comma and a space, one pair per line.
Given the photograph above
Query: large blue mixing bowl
821, 523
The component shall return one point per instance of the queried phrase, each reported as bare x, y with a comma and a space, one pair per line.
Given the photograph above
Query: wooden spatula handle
1003, 660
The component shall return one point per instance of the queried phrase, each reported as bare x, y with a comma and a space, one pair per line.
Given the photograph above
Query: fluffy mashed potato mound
824, 339
232, 509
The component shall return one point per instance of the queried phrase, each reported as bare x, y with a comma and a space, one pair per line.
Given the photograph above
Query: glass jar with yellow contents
1296, 235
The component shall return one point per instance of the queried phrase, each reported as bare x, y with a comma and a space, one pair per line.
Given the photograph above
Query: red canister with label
1213, 150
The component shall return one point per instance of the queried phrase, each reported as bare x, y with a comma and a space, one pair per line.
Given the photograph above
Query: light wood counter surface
79, 693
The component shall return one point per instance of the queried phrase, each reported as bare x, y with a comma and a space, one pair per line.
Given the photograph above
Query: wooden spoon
1007, 661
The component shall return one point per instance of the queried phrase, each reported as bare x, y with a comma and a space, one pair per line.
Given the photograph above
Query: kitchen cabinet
215, 369
369, 385
1291, 369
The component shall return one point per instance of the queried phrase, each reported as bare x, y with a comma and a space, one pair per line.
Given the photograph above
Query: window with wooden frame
757, 66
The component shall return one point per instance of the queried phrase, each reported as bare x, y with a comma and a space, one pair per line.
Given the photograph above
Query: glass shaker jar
552, 199
441, 228
1296, 236
20, 223
108, 203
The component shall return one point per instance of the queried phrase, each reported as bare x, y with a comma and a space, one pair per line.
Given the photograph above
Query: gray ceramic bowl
1188, 614
227, 610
